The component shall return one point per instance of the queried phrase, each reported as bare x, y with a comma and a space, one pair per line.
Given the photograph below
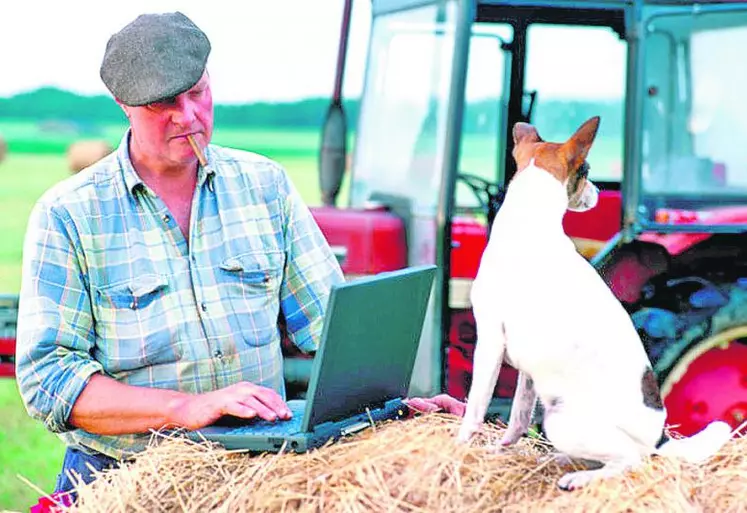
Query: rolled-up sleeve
310, 271
54, 335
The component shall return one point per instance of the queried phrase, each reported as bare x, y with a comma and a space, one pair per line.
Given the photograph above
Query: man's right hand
244, 400
108, 407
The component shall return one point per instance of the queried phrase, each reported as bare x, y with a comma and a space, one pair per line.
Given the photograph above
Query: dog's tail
700, 446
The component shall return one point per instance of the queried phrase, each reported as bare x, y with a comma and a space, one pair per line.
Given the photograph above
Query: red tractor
445, 82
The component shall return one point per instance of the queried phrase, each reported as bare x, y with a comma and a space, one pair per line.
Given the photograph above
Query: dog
542, 307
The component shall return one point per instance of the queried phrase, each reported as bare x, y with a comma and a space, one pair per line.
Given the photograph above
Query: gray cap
156, 56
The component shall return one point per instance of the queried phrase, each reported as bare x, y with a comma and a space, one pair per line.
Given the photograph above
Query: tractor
445, 82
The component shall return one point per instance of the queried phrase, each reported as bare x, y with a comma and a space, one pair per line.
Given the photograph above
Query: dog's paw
466, 430
576, 480
510, 437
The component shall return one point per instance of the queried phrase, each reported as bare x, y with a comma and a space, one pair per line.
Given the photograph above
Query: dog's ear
525, 132
577, 147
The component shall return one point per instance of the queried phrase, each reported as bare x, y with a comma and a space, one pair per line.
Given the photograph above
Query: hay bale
414, 465
3, 149
82, 154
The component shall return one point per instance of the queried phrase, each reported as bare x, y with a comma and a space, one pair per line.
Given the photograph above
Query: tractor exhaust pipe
333, 155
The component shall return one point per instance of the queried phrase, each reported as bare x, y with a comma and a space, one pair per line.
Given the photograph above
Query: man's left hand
442, 402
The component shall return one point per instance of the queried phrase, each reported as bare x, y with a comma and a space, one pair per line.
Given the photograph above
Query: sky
262, 50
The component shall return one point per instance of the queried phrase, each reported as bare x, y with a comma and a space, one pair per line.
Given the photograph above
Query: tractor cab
446, 80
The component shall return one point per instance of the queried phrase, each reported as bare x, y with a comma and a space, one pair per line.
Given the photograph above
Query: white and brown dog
538, 303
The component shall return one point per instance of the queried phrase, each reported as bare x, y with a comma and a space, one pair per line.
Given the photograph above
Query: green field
36, 161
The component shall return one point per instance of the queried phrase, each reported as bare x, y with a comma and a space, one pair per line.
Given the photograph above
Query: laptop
361, 371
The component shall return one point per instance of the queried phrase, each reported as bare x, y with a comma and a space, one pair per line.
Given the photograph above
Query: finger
271, 400
263, 411
240, 410
450, 404
422, 405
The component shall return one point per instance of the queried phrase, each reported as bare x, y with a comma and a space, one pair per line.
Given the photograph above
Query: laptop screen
369, 343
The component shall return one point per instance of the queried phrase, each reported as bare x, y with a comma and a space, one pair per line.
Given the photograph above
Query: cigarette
197, 150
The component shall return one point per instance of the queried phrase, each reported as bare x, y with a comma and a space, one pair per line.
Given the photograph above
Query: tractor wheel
700, 356
709, 381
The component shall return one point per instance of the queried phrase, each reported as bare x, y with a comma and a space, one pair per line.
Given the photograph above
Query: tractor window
399, 142
572, 74
484, 120
695, 119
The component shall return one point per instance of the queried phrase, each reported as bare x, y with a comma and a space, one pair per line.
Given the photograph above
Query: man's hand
244, 400
441, 402
108, 407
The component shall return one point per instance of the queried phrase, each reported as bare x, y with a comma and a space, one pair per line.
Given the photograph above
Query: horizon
280, 102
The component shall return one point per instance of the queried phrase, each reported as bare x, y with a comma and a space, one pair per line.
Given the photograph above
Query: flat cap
154, 57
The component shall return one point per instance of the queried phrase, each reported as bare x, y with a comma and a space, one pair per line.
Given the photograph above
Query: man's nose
183, 112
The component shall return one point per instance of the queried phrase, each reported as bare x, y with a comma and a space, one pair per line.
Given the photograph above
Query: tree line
556, 118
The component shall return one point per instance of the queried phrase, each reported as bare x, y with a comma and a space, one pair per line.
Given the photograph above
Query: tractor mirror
333, 154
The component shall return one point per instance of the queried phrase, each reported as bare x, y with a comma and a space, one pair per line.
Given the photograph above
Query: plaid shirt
110, 284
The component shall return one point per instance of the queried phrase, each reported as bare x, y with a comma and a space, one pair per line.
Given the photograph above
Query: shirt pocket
250, 285
132, 325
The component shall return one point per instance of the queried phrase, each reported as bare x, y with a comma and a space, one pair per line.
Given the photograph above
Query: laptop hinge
358, 426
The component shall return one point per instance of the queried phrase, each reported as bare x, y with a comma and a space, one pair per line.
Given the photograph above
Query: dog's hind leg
522, 410
487, 360
585, 437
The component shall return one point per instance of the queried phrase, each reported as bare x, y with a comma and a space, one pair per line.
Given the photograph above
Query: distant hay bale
3, 149
412, 465
82, 154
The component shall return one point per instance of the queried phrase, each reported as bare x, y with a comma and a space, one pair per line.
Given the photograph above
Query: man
152, 285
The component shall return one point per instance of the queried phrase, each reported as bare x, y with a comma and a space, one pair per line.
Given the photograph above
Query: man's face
159, 129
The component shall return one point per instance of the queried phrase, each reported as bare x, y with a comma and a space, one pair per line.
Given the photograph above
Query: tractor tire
699, 353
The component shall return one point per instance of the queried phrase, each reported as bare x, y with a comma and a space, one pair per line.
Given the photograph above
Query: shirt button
203, 306
167, 219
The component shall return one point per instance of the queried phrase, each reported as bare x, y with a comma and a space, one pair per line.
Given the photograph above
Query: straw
406, 466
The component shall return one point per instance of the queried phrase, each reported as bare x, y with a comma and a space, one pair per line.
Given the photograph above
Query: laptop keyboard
277, 428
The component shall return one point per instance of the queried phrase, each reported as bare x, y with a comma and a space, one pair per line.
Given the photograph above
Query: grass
28, 450
25, 177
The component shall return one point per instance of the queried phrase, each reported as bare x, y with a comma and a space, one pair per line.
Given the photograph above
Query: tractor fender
628, 267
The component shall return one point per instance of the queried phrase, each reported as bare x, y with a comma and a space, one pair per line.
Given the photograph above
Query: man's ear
123, 107
577, 147
525, 132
